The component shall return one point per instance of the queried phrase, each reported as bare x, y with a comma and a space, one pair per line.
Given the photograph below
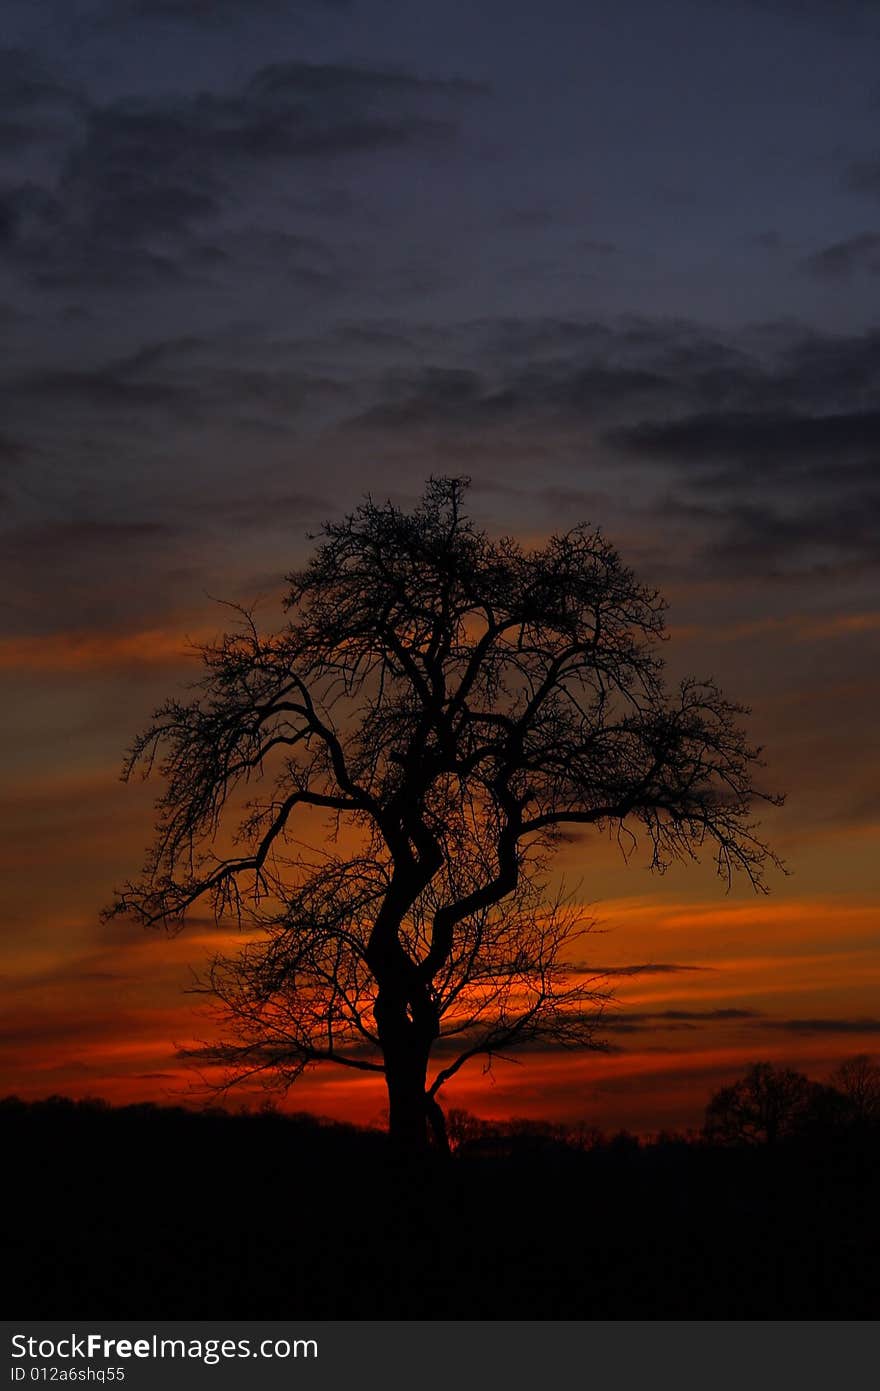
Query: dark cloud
820, 372
462, 399
453, 396
662, 391
34, 102
843, 259
281, 82
636, 1022
68, 241
86, 536
304, 261
679, 392
653, 968
103, 389
707, 1014
27, 84
143, 181
762, 446
68, 972
806, 395
778, 466
832, 537
29, 1031
756, 437
187, 378
825, 1026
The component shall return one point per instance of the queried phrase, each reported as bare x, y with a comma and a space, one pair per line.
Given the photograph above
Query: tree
452, 705
765, 1106
858, 1081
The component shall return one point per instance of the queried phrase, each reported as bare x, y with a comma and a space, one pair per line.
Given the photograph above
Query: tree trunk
437, 1122
405, 1073
407, 1024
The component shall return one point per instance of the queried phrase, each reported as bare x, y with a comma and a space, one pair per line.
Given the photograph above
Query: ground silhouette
157, 1212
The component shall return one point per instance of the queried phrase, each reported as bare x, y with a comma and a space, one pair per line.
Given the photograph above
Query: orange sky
724, 979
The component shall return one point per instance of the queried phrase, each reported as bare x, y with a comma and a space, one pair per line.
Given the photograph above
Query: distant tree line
770, 1210
768, 1105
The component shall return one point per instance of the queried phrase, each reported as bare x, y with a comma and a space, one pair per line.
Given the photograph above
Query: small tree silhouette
858, 1080
765, 1106
452, 704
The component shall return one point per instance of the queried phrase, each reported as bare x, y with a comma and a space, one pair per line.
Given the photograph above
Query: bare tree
858, 1080
765, 1106
452, 704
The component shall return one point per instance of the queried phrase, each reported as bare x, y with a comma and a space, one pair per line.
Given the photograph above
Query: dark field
148, 1213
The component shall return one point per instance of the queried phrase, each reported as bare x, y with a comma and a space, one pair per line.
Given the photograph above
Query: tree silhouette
452, 704
858, 1080
765, 1106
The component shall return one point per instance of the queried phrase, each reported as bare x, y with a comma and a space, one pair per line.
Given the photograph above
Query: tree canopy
450, 704
765, 1106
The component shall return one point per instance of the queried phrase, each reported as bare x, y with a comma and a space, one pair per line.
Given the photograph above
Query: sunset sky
618, 264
